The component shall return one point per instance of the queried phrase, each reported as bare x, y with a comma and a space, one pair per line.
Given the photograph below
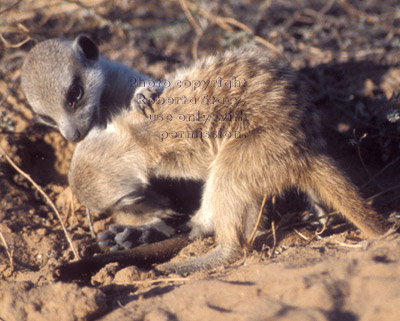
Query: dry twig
381, 171
47, 198
300, 234
198, 30
9, 254
10, 6
17, 45
357, 245
358, 141
327, 7
383, 192
102, 20
167, 280
253, 234
226, 22
353, 11
190, 18
90, 222
273, 228
322, 230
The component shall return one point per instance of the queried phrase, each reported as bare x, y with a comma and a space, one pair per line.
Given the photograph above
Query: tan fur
280, 147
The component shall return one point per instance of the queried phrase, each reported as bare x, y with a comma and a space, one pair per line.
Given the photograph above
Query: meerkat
241, 123
70, 86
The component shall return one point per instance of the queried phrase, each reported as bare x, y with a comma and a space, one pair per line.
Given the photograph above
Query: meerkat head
63, 81
106, 171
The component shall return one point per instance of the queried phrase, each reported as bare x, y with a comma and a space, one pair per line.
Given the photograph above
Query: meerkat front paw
144, 98
119, 237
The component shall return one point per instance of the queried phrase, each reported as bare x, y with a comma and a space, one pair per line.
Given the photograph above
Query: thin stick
47, 198
381, 171
300, 234
383, 192
225, 23
9, 254
195, 46
273, 227
267, 44
237, 23
161, 281
274, 237
218, 20
353, 11
253, 234
90, 222
322, 230
245, 28
100, 18
198, 30
10, 6
361, 244
190, 18
17, 45
327, 7
361, 158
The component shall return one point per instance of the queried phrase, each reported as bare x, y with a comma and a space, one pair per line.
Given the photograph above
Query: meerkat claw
119, 237
143, 99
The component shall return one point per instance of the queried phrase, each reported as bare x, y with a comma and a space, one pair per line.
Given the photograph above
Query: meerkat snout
72, 134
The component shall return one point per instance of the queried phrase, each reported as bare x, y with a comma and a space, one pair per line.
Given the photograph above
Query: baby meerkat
239, 121
72, 88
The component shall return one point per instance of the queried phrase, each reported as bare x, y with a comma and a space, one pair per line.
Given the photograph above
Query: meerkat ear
86, 47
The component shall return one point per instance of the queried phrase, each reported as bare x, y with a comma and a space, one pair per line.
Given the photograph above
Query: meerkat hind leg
230, 206
226, 251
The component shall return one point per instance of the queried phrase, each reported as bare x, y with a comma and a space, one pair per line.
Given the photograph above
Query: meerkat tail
328, 182
221, 255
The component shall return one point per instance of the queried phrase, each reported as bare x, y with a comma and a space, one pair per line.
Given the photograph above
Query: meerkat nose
74, 137
77, 136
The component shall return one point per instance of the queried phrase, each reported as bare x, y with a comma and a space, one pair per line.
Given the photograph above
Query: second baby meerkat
241, 123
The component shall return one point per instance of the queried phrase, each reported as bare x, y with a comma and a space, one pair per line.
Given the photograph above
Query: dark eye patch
75, 93
47, 120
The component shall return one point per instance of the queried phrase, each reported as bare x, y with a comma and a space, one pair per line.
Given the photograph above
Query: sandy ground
349, 53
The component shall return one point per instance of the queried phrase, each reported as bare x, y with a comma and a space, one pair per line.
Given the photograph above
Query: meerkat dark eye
47, 120
75, 94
